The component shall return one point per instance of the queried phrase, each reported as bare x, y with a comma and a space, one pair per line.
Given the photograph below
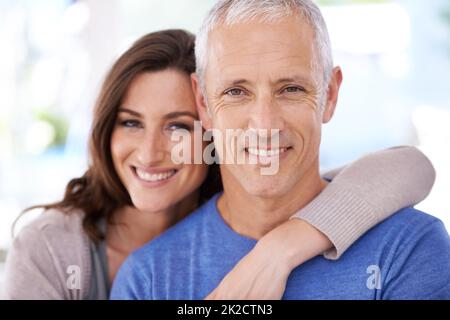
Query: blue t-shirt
407, 256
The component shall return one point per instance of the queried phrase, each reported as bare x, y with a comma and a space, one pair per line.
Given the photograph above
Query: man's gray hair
229, 12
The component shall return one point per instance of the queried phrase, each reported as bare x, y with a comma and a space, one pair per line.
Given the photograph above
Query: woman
132, 192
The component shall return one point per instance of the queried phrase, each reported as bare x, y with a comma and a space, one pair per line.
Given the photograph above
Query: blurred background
395, 56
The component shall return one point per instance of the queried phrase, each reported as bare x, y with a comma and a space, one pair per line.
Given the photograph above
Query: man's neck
254, 216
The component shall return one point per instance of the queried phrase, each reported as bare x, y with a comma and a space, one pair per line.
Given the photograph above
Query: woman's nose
152, 149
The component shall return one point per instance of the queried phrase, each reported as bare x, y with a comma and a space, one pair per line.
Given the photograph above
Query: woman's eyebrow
134, 113
177, 114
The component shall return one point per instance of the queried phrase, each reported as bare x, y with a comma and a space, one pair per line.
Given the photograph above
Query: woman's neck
131, 228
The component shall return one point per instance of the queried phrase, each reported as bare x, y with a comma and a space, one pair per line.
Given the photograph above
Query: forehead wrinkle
253, 49
300, 72
245, 43
238, 57
264, 58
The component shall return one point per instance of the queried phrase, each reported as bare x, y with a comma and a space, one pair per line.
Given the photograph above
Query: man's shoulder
410, 218
407, 225
417, 257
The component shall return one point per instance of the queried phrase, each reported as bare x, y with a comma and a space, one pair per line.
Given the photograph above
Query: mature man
267, 65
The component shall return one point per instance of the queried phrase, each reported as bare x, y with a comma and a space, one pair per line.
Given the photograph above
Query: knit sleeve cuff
341, 215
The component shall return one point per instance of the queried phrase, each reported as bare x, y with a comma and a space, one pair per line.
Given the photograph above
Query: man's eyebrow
134, 113
177, 114
295, 78
235, 82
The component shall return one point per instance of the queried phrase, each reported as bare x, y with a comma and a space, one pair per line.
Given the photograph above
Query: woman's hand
262, 274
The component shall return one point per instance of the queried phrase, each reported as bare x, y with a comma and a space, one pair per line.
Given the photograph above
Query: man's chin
266, 190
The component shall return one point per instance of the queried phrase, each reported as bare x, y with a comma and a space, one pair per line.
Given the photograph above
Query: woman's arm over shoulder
366, 192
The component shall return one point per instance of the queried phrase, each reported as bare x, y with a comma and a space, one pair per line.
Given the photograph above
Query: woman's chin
151, 206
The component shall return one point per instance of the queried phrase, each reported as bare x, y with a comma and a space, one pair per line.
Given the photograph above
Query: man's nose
152, 149
266, 115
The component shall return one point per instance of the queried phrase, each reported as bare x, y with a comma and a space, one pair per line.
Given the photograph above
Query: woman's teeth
154, 177
265, 152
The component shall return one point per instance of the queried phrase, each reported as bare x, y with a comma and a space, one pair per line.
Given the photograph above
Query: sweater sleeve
48, 259
30, 272
367, 191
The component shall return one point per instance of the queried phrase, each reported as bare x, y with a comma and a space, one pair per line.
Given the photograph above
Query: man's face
260, 76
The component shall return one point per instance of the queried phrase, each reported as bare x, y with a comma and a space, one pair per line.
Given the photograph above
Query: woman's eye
234, 92
179, 126
130, 124
293, 89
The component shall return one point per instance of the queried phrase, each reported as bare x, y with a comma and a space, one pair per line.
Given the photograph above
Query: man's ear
200, 100
332, 94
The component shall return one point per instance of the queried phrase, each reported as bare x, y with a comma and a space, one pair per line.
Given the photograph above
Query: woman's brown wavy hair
99, 192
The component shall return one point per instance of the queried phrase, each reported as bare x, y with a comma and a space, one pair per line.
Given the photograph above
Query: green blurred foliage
59, 124
445, 15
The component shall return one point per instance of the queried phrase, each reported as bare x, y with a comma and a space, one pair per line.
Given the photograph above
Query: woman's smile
154, 177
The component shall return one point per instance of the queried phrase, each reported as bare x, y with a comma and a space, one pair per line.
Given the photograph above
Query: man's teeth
265, 152
154, 177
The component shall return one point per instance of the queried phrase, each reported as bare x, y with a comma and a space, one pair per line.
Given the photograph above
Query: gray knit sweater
52, 257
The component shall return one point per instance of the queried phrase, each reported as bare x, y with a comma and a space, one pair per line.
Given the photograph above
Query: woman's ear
200, 99
332, 94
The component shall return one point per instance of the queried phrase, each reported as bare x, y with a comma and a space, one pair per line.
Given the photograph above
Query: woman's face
156, 105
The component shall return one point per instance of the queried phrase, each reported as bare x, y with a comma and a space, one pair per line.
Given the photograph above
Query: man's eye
130, 124
234, 92
293, 89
